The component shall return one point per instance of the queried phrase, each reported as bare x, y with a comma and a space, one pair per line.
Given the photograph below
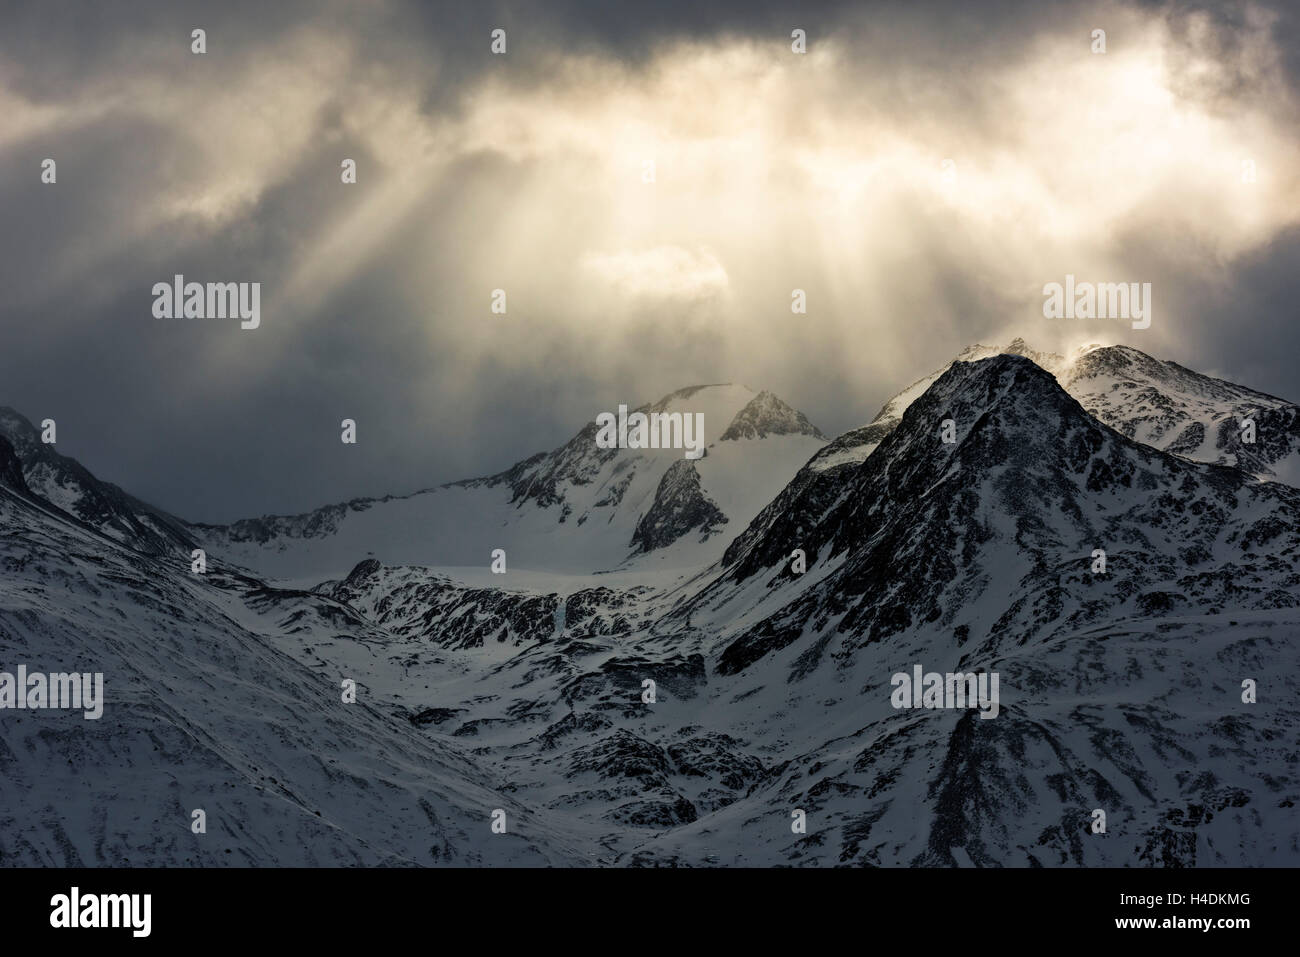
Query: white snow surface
589, 530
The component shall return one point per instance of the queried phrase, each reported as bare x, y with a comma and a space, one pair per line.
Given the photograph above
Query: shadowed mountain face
1159, 403
642, 719
989, 539
67, 484
11, 469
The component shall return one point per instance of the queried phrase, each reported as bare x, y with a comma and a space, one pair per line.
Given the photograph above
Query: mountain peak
1001, 396
907, 541
583, 506
767, 414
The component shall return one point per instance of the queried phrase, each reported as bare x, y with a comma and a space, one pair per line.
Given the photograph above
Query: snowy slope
1162, 404
578, 509
1120, 690
203, 712
1141, 719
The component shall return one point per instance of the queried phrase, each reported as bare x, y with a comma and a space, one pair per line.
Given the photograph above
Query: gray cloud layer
523, 172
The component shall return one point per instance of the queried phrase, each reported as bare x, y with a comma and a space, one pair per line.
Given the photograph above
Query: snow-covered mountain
577, 509
1011, 511
678, 707
201, 711
856, 444
1121, 691
1162, 404
1158, 402
68, 485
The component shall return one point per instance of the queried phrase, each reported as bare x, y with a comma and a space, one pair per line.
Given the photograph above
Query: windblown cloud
920, 178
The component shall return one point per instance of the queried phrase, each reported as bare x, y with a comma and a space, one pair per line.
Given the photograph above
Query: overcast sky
525, 172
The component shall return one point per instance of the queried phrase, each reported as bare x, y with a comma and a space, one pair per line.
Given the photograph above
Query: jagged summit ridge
580, 507
1166, 405
765, 415
1157, 402
988, 538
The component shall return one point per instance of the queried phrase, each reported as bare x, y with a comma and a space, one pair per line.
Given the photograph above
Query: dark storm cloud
225, 167
1246, 320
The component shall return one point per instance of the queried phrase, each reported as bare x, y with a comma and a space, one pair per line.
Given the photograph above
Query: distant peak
767, 414
1114, 358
